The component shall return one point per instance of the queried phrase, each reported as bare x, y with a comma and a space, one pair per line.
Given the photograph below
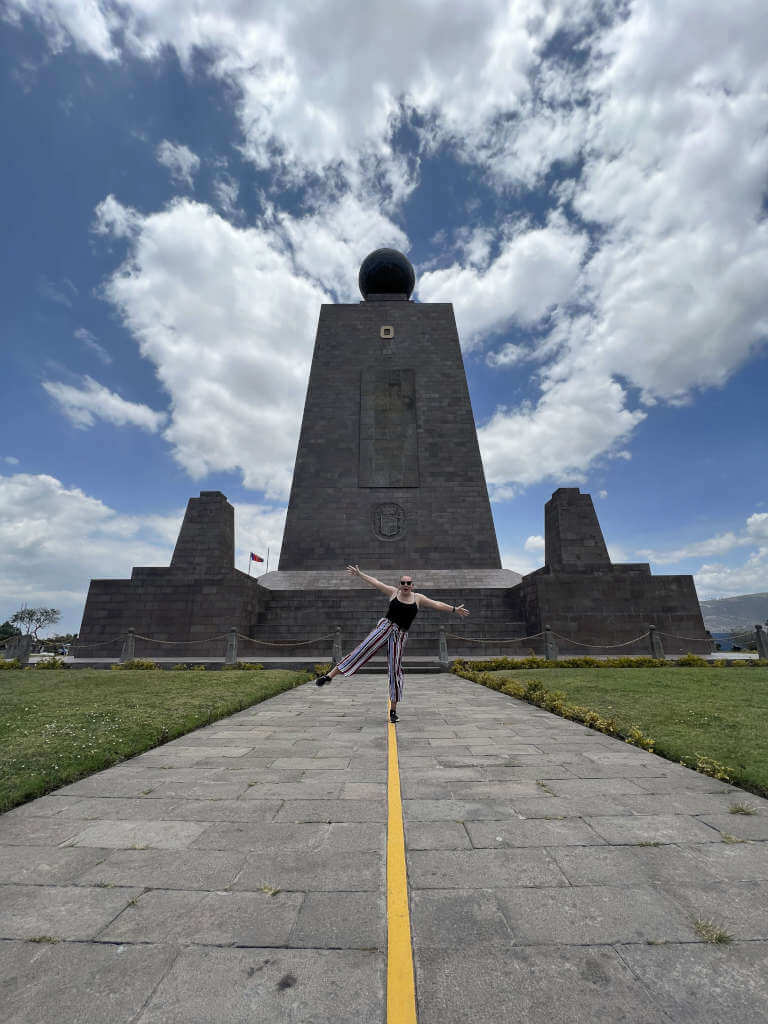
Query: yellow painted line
401, 993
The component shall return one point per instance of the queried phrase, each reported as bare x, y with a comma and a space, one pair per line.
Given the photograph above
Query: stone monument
388, 475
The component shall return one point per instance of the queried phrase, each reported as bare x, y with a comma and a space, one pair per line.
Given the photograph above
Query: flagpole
267, 569
249, 564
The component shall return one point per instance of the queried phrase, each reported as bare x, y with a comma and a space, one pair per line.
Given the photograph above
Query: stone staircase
310, 606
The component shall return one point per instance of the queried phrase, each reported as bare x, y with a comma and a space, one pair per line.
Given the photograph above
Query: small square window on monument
387, 332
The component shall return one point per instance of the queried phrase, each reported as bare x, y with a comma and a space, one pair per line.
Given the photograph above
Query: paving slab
266, 986
701, 984
519, 985
43, 865
60, 911
207, 918
343, 920
132, 835
239, 873
79, 982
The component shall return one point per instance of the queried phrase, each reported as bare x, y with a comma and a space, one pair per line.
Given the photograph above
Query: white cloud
112, 218
536, 269
602, 494
718, 580
84, 405
180, 161
81, 22
226, 191
54, 539
576, 422
755, 532
11, 460
699, 549
329, 246
534, 543
519, 560
229, 324
508, 355
89, 342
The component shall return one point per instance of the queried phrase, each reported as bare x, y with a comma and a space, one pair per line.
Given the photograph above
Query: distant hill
727, 613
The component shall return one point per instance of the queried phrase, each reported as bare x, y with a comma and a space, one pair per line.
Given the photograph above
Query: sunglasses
406, 583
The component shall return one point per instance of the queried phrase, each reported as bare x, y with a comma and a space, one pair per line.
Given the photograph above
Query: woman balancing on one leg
392, 630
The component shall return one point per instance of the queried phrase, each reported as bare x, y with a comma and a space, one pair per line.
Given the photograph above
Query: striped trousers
384, 632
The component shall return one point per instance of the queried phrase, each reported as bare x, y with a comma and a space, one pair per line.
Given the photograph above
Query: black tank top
401, 614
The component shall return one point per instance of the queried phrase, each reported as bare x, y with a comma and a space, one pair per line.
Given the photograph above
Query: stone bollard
128, 653
654, 642
762, 642
336, 651
230, 657
443, 649
550, 645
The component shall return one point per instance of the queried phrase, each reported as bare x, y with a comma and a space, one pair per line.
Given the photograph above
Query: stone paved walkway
238, 874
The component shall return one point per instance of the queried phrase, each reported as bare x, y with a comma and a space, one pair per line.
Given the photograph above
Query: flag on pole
256, 558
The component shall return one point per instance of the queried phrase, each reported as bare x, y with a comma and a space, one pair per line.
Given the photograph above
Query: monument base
311, 605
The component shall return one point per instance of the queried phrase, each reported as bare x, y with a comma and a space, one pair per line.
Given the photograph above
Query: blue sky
586, 182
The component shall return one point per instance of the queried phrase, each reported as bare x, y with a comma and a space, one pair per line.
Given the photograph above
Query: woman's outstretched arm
440, 606
354, 570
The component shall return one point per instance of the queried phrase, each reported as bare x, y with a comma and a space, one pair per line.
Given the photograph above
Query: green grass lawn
717, 713
59, 725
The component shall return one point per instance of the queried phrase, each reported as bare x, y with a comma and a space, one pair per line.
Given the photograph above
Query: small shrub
197, 668
136, 664
50, 663
692, 661
10, 663
321, 670
181, 668
247, 666
534, 662
708, 766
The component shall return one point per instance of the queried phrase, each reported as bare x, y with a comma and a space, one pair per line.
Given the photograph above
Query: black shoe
322, 680
392, 715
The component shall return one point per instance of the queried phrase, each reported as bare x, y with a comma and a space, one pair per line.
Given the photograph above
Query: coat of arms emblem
388, 520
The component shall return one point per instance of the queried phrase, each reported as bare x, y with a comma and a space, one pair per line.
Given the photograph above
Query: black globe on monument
386, 272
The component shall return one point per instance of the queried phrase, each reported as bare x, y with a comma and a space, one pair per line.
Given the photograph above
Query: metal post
128, 653
762, 642
336, 651
654, 641
550, 645
443, 649
230, 657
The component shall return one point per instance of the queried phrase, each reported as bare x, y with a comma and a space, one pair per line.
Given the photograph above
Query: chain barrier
610, 646
180, 643
476, 640
294, 643
676, 636
100, 643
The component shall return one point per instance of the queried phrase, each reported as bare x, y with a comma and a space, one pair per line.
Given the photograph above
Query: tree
32, 619
7, 630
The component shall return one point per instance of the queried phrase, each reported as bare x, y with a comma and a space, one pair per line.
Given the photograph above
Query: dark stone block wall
206, 542
198, 597
572, 534
176, 610
388, 471
582, 596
